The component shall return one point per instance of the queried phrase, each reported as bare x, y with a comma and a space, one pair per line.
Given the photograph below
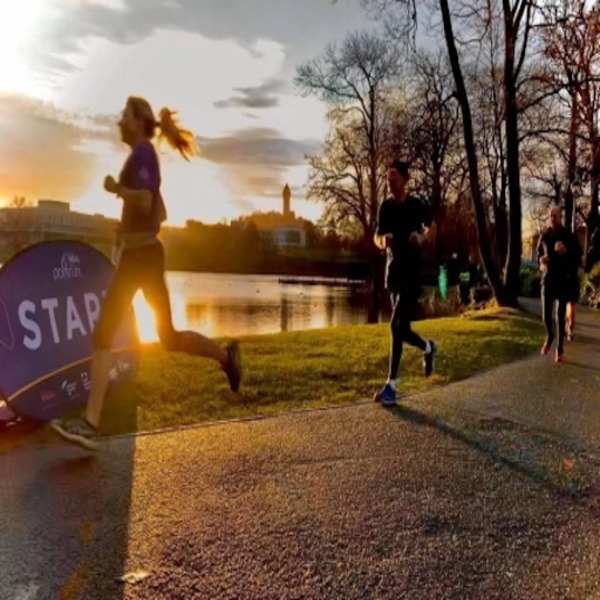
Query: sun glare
146, 321
18, 25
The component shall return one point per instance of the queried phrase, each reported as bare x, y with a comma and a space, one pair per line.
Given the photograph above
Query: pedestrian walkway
357, 502
561, 398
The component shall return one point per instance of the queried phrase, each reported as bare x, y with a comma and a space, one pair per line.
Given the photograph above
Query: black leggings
548, 300
142, 268
403, 309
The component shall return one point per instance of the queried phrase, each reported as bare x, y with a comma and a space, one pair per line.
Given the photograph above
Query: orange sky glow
68, 66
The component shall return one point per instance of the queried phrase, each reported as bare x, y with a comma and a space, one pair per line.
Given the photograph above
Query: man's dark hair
400, 166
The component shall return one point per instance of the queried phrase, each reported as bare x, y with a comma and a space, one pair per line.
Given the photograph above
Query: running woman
401, 231
559, 255
141, 265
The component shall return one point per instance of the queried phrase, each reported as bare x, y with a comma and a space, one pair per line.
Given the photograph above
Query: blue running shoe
387, 395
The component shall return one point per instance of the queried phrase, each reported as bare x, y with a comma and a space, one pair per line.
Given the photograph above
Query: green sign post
443, 283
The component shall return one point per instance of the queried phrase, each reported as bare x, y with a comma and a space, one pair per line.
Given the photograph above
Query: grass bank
309, 369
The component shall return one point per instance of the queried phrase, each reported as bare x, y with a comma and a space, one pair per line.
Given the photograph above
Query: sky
226, 66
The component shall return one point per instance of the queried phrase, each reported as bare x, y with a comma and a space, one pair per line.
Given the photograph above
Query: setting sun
146, 321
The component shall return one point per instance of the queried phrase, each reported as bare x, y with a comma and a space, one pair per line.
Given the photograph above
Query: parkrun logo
69, 267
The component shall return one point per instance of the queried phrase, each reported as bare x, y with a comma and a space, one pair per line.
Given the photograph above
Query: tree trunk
571, 166
569, 209
593, 218
436, 209
500, 215
501, 232
515, 239
483, 238
436, 190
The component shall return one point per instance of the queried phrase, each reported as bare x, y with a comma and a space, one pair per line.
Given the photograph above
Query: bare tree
516, 20
353, 78
435, 119
19, 202
573, 50
339, 177
16, 237
487, 90
503, 295
518, 23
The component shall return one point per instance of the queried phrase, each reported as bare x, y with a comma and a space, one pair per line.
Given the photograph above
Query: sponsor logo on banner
69, 267
48, 396
86, 382
50, 300
70, 388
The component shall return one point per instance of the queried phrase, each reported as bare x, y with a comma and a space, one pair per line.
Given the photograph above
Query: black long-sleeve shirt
403, 258
561, 268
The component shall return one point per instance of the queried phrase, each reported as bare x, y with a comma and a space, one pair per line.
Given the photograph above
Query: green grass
298, 370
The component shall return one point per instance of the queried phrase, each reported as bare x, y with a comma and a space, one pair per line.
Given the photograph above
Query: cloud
120, 5
208, 60
256, 146
254, 188
185, 71
64, 26
113, 5
41, 151
255, 163
99, 56
261, 96
50, 153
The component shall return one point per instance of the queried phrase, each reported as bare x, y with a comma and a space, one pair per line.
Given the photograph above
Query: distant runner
401, 231
141, 265
559, 256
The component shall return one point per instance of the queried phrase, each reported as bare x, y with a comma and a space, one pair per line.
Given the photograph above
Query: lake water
234, 305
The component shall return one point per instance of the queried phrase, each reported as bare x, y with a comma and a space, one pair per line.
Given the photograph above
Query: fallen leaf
134, 577
568, 463
29, 593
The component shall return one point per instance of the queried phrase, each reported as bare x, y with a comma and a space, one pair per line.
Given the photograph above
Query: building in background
288, 232
52, 220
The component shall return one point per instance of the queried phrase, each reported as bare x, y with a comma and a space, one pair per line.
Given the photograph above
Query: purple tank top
141, 172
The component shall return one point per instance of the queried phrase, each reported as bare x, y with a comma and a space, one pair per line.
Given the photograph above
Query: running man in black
402, 227
142, 264
559, 255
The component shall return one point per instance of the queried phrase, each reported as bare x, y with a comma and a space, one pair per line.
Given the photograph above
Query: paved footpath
486, 489
561, 398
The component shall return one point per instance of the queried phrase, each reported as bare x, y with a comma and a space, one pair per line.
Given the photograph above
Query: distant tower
287, 194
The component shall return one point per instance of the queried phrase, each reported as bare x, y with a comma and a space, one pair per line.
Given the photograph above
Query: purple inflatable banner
50, 299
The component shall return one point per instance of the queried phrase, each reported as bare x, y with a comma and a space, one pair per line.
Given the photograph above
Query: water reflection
234, 305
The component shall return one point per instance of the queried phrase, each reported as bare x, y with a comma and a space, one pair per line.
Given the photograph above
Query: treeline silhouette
244, 246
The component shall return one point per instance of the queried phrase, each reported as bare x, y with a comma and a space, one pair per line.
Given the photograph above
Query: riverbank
310, 369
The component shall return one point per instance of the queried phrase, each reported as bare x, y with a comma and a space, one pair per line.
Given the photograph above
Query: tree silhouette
349, 175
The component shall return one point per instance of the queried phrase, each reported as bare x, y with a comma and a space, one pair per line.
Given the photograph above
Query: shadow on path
64, 517
519, 460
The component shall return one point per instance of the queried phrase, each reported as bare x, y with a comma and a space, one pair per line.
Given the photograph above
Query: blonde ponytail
179, 139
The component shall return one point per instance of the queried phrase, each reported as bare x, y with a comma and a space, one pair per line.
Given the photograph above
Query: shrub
530, 281
590, 288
